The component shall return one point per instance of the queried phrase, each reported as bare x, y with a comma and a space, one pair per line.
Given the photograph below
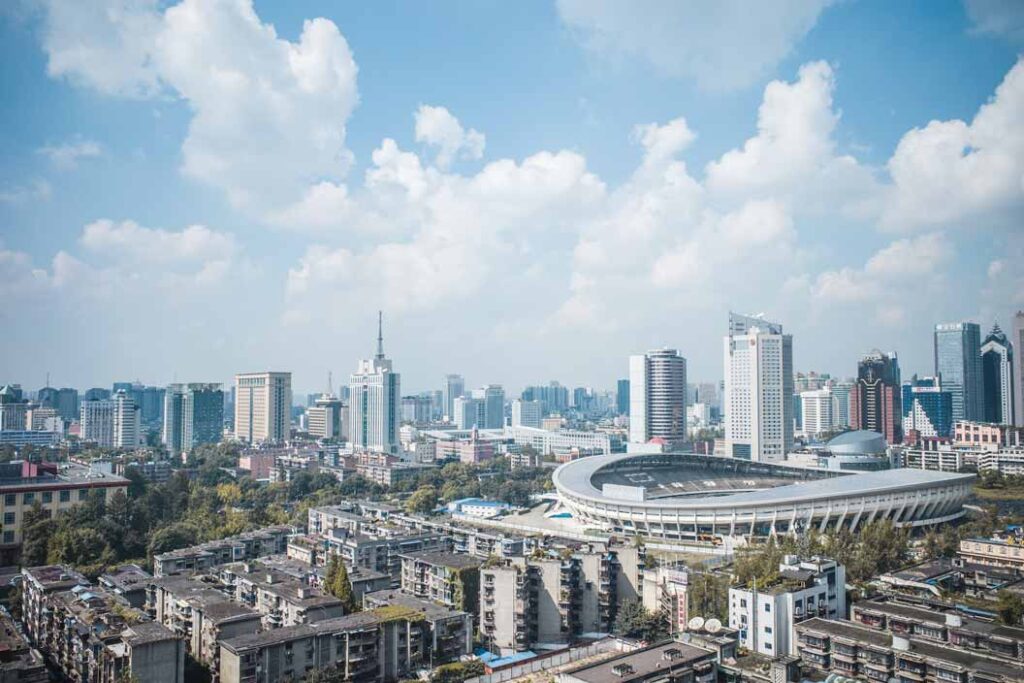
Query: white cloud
722, 45
66, 156
36, 191
436, 126
268, 115
950, 171
997, 17
127, 240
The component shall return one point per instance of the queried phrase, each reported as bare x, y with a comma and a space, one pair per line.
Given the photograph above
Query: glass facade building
958, 366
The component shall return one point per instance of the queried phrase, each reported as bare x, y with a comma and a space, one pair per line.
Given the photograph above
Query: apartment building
201, 614
380, 554
852, 650
263, 403
20, 662
56, 487
671, 662
765, 615
994, 552
129, 582
438, 634
445, 578
94, 636
282, 599
272, 540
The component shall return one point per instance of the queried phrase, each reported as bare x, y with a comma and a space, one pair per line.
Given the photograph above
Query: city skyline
865, 189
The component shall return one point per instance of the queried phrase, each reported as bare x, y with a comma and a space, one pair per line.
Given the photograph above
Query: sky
529, 191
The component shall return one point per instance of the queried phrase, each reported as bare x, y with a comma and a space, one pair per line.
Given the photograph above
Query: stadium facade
685, 497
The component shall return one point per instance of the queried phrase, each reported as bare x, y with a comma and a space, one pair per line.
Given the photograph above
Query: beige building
995, 552
263, 405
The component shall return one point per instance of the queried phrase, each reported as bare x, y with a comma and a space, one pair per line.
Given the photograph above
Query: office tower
324, 417
841, 404
657, 397
927, 409
622, 397
1017, 341
469, 412
375, 401
526, 413
97, 422
96, 394
112, 422
798, 412
263, 406
64, 401
127, 421
997, 363
417, 409
958, 365
193, 414
817, 411
454, 387
758, 389
583, 399
13, 409
875, 397
810, 381
494, 406
149, 401
554, 398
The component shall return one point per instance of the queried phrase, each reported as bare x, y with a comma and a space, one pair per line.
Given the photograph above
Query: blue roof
478, 501
495, 661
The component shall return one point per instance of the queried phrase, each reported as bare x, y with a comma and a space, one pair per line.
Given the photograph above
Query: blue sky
530, 192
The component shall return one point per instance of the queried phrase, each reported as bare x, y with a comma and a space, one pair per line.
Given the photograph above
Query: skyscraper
469, 412
324, 417
657, 397
526, 413
841, 404
494, 406
193, 414
758, 389
112, 422
998, 397
927, 409
454, 387
875, 401
622, 397
375, 401
817, 411
263, 406
958, 365
1017, 339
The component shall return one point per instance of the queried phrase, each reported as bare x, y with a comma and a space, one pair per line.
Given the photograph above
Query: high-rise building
817, 411
375, 401
927, 409
875, 398
526, 413
657, 397
149, 401
416, 409
841, 404
1017, 340
13, 409
553, 397
958, 365
622, 397
64, 401
96, 394
454, 387
494, 406
193, 414
112, 422
324, 417
469, 412
997, 363
263, 406
758, 389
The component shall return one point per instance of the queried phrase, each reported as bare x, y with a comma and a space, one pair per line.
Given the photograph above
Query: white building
657, 397
454, 387
1007, 462
817, 410
526, 413
112, 422
765, 616
562, 441
758, 390
324, 418
263, 406
375, 402
468, 412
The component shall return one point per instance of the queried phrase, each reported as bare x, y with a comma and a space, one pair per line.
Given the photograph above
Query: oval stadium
686, 497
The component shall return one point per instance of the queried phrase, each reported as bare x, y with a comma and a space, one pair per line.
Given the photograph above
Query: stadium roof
576, 477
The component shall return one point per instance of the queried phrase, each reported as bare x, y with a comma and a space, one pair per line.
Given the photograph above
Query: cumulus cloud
949, 171
268, 115
436, 126
722, 45
66, 155
195, 244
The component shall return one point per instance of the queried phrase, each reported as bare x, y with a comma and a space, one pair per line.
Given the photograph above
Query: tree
457, 672
1010, 608
36, 529
634, 621
172, 537
423, 501
339, 585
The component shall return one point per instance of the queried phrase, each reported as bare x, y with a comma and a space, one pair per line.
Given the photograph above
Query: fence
542, 664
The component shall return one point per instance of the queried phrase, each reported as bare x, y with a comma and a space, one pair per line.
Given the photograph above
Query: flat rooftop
643, 663
393, 597
443, 559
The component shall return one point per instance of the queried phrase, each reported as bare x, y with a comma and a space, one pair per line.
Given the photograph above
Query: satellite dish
713, 626
695, 624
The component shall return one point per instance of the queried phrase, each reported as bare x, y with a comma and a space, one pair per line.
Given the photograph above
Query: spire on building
380, 334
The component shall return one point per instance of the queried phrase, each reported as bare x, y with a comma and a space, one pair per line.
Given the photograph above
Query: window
767, 607
65, 496
743, 602
767, 646
11, 499
83, 494
47, 496
8, 537
8, 518
767, 629
28, 498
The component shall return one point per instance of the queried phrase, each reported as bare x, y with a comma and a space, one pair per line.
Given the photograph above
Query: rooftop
443, 559
278, 636
642, 663
396, 598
